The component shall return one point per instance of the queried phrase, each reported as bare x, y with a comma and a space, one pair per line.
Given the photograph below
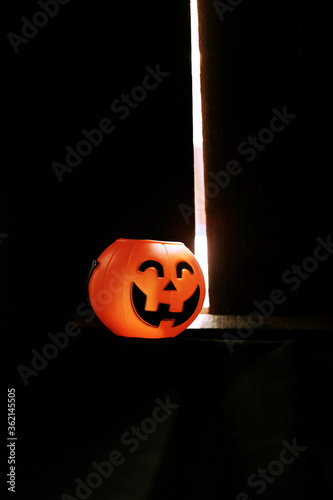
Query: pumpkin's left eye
152, 263
181, 266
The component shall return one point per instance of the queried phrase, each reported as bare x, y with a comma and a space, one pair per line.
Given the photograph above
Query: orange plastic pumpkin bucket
146, 288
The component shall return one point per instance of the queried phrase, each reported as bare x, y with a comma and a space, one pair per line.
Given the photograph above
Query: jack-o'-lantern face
151, 299
146, 288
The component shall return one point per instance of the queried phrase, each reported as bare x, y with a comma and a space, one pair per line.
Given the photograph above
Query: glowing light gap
200, 241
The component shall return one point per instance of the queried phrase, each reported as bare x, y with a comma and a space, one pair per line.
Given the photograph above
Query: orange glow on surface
147, 288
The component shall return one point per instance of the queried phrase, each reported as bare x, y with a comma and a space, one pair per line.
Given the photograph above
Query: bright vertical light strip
200, 242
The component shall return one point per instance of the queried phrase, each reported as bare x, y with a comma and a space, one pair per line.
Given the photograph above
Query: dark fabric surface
236, 412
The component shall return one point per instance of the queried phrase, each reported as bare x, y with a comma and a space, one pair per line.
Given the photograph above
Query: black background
62, 81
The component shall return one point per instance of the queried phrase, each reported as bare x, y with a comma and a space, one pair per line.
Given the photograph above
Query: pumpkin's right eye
181, 266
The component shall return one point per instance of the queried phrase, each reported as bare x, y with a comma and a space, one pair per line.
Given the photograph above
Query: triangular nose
170, 286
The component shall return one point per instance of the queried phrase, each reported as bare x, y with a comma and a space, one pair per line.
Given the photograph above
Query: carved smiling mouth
154, 318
